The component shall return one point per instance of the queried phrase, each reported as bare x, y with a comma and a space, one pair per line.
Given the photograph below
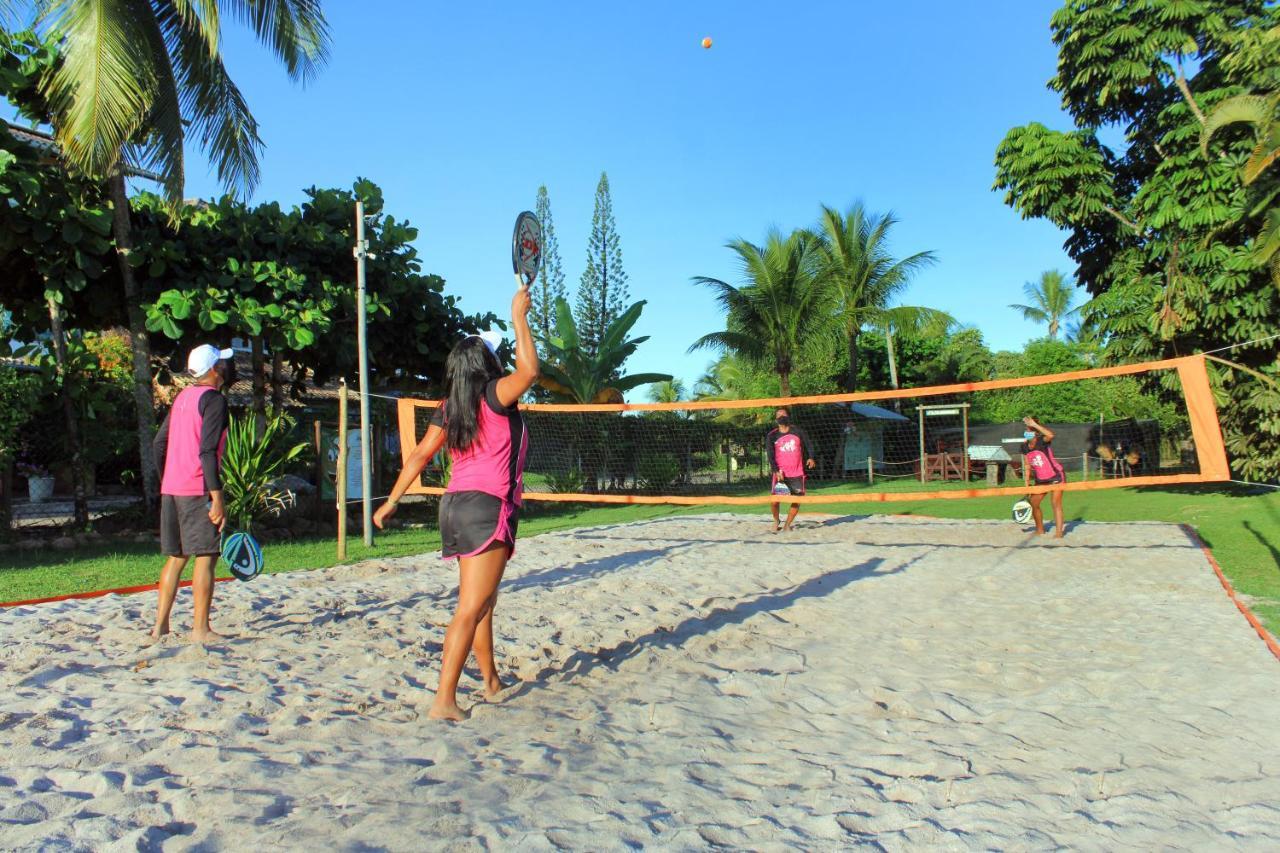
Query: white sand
688, 682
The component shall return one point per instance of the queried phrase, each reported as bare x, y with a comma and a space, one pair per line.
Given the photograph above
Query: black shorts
470, 522
185, 528
795, 484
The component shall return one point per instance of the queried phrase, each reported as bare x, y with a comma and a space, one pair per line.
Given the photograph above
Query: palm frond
220, 118
105, 88
635, 380
295, 30
202, 15
1032, 313
1252, 109
726, 341
161, 150
915, 320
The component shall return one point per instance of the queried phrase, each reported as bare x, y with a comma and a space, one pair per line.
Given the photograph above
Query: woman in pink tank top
1044, 469
485, 434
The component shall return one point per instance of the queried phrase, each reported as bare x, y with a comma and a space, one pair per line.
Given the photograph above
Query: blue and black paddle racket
243, 555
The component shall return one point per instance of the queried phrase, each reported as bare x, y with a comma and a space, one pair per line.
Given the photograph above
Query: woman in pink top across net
485, 433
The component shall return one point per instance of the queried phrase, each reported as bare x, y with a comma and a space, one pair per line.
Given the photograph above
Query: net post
1202, 412
361, 251
871, 472
408, 429
924, 463
1084, 465
341, 486
315, 437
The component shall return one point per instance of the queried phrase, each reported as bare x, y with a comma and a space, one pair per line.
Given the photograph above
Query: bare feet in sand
205, 637
450, 712
158, 632
493, 689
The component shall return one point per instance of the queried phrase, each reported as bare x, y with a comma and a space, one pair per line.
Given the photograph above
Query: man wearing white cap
188, 451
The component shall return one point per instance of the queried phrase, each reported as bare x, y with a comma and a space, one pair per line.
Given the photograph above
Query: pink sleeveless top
183, 474
494, 463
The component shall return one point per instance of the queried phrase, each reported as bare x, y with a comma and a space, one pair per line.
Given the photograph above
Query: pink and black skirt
471, 522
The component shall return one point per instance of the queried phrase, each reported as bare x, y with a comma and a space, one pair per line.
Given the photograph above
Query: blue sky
459, 111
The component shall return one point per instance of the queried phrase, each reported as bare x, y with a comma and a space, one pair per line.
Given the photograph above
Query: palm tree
671, 391
907, 320
726, 379
779, 311
1050, 300
135, 76
853, 259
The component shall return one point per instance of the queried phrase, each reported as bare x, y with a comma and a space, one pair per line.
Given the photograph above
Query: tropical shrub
252, 462
655, 472
18, 395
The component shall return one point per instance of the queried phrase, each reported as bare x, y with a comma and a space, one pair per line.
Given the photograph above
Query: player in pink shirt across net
485, 433
790, 453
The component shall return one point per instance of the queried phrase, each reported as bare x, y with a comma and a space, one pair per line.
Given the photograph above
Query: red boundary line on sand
124, 590
1231, 593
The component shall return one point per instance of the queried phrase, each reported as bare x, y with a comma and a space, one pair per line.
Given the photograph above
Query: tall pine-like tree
602, 292
550, 283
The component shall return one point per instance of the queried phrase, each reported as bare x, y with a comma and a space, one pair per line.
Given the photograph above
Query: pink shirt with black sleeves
494, 463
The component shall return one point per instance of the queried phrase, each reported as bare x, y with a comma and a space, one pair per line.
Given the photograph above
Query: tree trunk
893, 366
277, 392
893, 359
258, 367
853, 361
143, 398
784, 379
6, 493
81, 499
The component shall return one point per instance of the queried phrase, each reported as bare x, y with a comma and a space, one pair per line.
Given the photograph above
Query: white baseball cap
202, 359
491, 339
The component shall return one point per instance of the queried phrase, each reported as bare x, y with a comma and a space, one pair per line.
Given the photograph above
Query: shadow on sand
584, 661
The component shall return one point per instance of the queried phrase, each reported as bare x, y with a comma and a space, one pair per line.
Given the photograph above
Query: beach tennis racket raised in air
526, 249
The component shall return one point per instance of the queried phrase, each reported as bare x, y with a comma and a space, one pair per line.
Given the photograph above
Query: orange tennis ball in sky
706, 42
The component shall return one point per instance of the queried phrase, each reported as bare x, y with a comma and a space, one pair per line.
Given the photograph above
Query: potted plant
39, 481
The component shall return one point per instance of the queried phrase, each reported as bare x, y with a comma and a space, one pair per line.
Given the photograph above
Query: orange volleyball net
1131, 425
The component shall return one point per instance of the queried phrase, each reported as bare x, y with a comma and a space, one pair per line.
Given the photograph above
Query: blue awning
867, 410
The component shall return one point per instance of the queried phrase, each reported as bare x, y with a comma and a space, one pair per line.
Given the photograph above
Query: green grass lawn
1242, 528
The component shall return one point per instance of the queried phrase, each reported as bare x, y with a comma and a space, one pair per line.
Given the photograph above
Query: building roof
241, 394
18, 364
867, 410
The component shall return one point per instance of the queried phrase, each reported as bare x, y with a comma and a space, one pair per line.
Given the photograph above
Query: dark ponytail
469, 370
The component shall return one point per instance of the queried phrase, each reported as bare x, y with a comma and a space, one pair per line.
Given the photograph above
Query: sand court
684, 682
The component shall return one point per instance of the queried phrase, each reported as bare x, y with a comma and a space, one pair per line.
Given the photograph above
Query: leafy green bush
18, 395
566, 482
251, 462
657, 471
1072, 402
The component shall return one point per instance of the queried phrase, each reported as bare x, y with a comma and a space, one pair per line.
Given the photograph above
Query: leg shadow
583, 662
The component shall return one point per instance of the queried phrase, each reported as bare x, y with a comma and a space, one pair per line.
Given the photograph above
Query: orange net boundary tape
1192, 373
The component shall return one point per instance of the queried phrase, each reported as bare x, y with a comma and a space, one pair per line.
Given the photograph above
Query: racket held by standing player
526, 249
